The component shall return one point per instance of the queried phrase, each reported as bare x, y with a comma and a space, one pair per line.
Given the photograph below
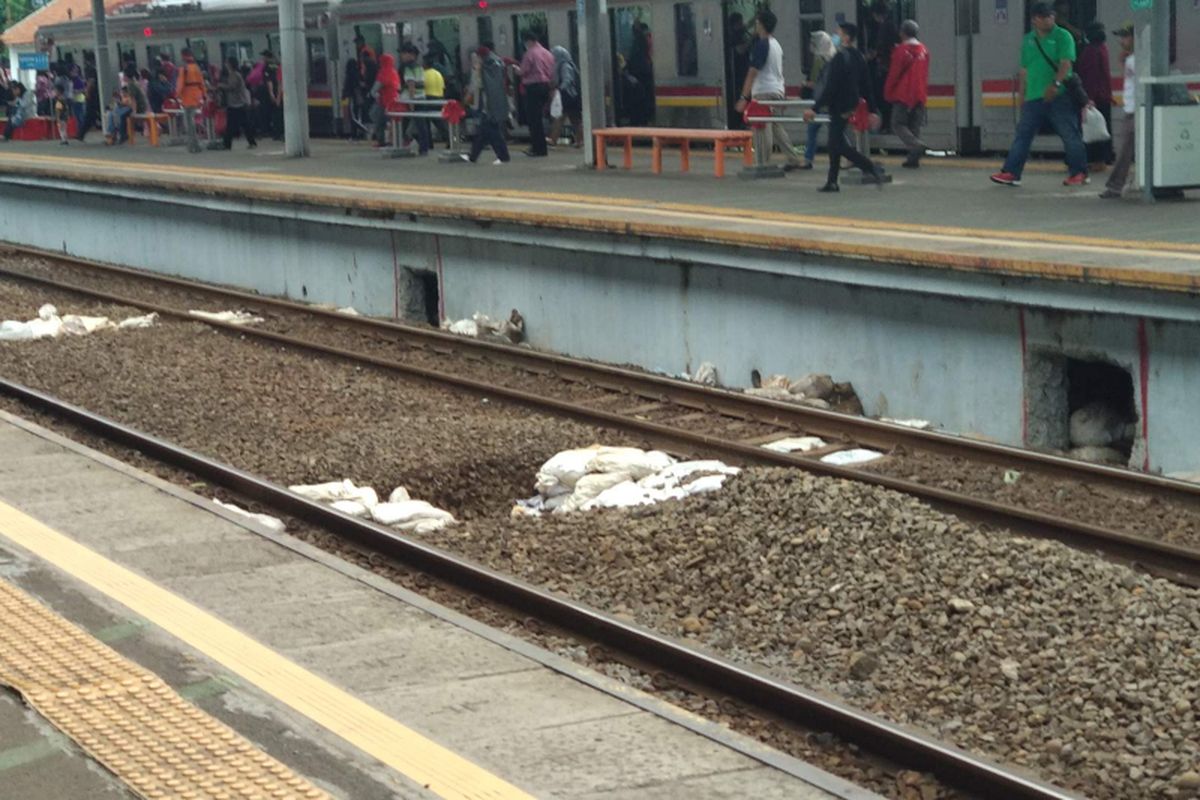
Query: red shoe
1081, 179
1006, 179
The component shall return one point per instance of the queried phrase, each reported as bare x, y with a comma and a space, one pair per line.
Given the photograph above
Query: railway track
975, 776
664, 412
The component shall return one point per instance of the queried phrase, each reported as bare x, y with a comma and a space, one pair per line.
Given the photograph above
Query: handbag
1095, 129
1073, 85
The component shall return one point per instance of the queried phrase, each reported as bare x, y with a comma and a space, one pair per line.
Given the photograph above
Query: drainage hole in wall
1101, 410
430, 292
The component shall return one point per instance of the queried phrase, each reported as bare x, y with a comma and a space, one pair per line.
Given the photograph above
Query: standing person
435, 89
737, 54
566, 84
537, 73
764, 81
190, 89
412, 78
158, 92
43, 93
168, 67
823, 51
1046, 55
22, 106
1095, 71
61, 112
384, 92
849, 82
352, 94
1126, 119
236, 99
907, 89
883, 40
491, 101
641, 69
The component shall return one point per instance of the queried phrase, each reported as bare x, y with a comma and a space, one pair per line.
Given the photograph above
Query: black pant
536, 96
840, 147
237, 122
489, 133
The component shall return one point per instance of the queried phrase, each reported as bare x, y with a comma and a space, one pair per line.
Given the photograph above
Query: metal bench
721, 141
436, 111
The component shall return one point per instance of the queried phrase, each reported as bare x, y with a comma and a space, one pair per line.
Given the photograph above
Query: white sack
13, 331
351, 507
636, 463
796, 444
138, 322
559, 474
266, 520
398, 495
847, 458
408, 511
77, 325
231, 317
589, 487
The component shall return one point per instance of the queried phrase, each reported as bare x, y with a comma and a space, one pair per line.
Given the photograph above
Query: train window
153, 52
483, 25
445, 32
318, 63
273, 44
199, 51
534, 21
242, 51
687, 59
812, 19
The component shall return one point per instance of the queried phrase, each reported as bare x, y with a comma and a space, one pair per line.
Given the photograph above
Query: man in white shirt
764, 81
1124, 123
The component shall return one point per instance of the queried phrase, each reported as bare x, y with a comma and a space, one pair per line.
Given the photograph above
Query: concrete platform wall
953, 348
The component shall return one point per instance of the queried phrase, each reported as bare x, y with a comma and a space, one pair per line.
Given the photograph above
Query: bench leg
601, 153
685, 155
130, 130
656, 162
628, 152
747, 154
152, 131
719, 169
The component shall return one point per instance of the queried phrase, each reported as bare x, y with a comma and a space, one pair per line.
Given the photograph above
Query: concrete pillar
593, 29
1153, 49
106, 76
294, 63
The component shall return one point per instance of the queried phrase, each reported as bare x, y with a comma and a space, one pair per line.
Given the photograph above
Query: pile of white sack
618, 477
1099, 433
230, 317
481, 326
400, 511
49, 325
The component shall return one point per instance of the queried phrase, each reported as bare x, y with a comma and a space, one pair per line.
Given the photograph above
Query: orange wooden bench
721, 140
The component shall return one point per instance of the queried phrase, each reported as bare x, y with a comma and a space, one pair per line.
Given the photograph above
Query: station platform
167, 648
947, 215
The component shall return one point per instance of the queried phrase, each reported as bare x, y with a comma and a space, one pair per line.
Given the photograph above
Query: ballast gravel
1026, 651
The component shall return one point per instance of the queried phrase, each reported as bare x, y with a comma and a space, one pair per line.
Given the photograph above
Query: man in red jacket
907, 89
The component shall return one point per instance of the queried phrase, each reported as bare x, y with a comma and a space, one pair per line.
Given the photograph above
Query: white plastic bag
77, 325
1094, 127
556, 106
132, 323
408, 511
559, 474
636, 463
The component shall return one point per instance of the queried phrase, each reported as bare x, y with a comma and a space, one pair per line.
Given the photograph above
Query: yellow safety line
586, 202
158, 744
442, 771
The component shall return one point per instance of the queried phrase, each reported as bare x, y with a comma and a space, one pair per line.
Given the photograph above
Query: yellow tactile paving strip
441, 771
124, 716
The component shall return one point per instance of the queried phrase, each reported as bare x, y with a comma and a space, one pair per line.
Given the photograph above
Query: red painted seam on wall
1144, 382
1024, 378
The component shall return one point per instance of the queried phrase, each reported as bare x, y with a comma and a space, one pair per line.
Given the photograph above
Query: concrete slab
556, 732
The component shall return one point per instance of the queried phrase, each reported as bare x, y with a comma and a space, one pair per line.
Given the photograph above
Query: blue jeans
1065, 121
810, 143
116, 122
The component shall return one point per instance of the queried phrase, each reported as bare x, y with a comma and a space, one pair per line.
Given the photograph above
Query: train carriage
974, 45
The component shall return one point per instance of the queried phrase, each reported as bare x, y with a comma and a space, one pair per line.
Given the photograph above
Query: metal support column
106, 76
592, 16
295, 78
1152, 46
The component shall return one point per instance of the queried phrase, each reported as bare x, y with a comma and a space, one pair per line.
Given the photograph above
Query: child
61, 107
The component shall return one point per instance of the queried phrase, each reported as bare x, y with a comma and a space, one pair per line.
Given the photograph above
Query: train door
445, 42
243, 51
737, 18
199, 48
632, 45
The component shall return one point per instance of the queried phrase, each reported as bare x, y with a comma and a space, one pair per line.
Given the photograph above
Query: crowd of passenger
67, 94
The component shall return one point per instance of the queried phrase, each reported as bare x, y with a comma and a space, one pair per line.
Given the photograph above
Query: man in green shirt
1046, 55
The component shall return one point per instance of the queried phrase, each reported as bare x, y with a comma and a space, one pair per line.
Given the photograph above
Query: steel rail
829, 425
1176, 563
978, 776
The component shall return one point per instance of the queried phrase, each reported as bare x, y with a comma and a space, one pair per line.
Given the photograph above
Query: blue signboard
33, 60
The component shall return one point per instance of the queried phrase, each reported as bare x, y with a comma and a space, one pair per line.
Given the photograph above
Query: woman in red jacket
907, 89
1094, 70
384, 93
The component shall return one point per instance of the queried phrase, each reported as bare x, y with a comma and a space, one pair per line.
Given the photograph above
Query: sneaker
1006, 179
499, 162
1078, 180
464, 157
1110, 194
830, 187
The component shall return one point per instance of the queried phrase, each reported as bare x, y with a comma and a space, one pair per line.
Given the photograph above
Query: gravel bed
1177, 522
1025, 651
822, 749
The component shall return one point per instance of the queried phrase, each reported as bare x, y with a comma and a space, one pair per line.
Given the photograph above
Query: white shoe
498, 162
464, 157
